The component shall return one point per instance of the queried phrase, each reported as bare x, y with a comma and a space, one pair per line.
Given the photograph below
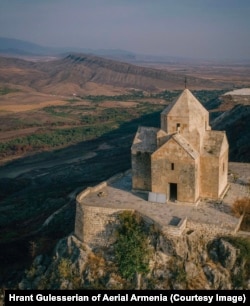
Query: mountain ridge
75, 72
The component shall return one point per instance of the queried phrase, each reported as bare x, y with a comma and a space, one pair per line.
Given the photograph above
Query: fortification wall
96, 225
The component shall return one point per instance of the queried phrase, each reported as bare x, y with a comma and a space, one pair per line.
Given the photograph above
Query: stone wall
141, 176
210, 231
92, 224
209, 180
96, 225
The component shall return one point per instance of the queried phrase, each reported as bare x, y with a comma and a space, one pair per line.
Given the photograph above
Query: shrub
64, 268
241, 206
132, 250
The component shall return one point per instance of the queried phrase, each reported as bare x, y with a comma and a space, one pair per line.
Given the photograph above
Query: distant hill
82, 74
20, 47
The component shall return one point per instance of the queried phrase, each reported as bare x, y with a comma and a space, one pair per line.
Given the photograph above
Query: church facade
184, 159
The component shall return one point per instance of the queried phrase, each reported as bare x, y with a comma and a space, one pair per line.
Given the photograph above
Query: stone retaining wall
210, 231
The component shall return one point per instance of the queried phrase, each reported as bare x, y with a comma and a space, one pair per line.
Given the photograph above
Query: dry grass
198, 282
103, 89
16, 108
241, 206
125, 104
97, 265
89, 88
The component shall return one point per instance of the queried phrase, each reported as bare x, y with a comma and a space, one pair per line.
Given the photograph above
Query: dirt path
15, 171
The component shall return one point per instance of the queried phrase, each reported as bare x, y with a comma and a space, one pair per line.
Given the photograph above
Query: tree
132, 249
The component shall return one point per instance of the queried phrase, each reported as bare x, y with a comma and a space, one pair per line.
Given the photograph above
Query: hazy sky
189, 28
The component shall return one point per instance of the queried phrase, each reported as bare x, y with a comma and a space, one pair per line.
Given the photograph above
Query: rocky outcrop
191, 261
223, 252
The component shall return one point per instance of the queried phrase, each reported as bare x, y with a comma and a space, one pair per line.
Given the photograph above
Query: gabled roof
181, 141
185, 104
213, 141
145, 139
186, 146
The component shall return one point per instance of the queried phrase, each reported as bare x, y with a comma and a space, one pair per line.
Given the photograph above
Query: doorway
172, 191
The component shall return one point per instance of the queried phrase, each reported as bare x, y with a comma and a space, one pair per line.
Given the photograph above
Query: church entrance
172, 191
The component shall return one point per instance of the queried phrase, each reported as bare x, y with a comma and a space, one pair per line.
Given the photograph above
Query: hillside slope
231, 113
236, 123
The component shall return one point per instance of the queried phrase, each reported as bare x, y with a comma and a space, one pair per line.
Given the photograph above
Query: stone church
184, 160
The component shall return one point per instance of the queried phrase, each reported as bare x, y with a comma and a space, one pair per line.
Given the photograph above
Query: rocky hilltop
206, 254
186, 262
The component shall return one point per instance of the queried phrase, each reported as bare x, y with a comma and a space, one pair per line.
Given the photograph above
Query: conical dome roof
186, 104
